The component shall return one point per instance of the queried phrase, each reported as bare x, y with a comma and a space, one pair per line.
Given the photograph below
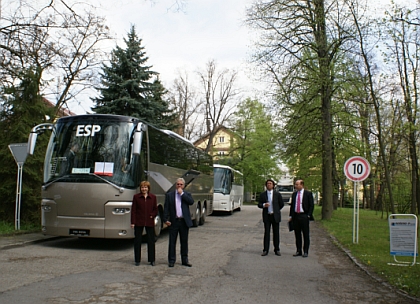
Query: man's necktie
298, 203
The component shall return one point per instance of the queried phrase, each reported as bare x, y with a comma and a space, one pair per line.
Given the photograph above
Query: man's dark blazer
277, 202
169, 213
307, 203
70, 161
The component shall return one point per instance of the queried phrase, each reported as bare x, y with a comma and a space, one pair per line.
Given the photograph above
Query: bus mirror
137, 140
32, 142
34, 134
137, 143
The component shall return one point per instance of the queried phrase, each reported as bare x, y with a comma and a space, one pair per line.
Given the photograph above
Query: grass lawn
9, 229
373, 248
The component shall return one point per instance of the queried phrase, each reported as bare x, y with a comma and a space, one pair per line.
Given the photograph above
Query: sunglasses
179, 184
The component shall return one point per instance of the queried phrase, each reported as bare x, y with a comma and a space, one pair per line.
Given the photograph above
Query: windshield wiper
121, 189
52, 182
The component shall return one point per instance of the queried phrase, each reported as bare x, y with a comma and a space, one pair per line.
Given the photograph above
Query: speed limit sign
357, 169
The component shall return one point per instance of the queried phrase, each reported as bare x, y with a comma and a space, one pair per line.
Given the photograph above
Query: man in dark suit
300, 213
271, 203
177, 217
71, 158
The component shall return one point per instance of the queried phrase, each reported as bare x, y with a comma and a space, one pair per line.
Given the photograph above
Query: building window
221, 153
221, 139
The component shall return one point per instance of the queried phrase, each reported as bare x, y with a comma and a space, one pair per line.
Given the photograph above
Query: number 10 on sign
356, 169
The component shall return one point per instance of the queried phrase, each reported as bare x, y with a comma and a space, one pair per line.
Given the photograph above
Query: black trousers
138, 232
301, 226
181, 228
271, 223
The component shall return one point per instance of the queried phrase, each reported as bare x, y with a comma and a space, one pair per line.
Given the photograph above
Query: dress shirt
270, 200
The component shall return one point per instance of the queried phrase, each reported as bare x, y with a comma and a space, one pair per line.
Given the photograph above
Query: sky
185, 40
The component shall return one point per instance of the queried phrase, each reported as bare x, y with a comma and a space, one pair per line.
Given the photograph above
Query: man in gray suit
271, 203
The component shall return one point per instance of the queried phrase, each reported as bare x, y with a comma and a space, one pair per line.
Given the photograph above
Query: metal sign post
19, 152
356, 214
356, 169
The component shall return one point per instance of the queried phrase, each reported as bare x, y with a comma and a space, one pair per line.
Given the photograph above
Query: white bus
93, 167
228, 193
286, 187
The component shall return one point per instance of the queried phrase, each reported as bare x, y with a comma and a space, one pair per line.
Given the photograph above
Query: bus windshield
81, 150
281, 188
222, 180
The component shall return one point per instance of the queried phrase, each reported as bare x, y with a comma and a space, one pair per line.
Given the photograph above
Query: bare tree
403, 29
372, 93
184, 99
219, 93
61, 39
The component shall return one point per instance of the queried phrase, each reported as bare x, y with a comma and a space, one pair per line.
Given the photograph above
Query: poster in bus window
104, 168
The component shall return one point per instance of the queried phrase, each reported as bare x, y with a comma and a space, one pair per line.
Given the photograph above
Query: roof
61, 112
206, 137
226, 167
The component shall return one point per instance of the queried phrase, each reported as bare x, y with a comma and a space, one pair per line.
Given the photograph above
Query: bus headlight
46, 208
120, 210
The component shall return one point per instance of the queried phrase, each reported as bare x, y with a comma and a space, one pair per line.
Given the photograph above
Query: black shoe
305, 255
187, 264
152, 263
277, 253
297, 254
264, 253
138, 264
171, 264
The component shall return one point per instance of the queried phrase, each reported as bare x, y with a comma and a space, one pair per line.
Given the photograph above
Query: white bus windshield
222, 180
281, 188
81, 150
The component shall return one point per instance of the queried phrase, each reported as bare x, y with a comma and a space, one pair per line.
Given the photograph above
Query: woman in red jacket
143, 212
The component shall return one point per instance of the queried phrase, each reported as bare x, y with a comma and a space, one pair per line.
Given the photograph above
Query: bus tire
158, 224
203, 214
240, 204
232, 207
196, 221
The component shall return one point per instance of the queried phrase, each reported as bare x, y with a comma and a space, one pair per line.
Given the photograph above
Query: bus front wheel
158, 225
232, 207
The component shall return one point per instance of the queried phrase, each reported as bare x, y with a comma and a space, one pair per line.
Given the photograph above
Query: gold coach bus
93, 167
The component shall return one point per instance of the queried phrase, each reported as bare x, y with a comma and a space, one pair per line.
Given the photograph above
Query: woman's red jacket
144, 210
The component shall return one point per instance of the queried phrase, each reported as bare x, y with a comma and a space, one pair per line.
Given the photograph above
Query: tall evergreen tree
22, 108
160, 107
130, 88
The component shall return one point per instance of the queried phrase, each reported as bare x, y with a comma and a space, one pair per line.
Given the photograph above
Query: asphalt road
227, 268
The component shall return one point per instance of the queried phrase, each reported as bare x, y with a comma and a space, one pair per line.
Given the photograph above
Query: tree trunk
335, 180
325, 92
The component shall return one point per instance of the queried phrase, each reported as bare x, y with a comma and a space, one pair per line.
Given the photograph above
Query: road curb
366, 270
16, 242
